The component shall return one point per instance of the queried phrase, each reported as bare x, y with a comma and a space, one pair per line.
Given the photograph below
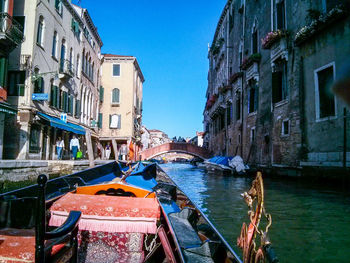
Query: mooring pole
345, 140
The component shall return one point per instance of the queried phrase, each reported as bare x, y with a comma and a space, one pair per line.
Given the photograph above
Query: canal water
311, 223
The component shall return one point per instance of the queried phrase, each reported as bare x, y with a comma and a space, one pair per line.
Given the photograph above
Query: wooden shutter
53, 96
77, 108
101, 93
276, 86
119, 121
58, 99
100, 118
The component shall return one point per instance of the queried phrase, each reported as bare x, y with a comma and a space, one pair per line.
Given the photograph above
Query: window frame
120, 70
283, 134
252, 134
317, 94
114, 103
41, 30
119, 125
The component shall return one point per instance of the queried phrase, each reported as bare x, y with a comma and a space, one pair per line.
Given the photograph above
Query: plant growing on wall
247, 62
319, 23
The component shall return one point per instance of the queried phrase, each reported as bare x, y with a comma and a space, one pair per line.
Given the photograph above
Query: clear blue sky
170, 41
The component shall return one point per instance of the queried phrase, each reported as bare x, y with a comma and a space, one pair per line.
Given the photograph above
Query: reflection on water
310, 223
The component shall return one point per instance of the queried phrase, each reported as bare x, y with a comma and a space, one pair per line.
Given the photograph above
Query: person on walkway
108, 150
59, 148
74, 146
123, 151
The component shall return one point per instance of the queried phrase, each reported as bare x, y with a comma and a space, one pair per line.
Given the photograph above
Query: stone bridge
179, 147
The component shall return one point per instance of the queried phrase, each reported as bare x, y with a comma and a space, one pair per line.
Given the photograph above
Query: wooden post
115, 149
89, 148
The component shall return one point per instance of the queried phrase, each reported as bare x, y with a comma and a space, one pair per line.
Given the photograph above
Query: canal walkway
20, 170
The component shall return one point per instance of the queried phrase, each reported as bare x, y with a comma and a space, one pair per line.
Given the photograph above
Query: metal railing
12, 29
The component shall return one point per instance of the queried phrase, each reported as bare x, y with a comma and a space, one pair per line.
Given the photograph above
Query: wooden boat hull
183, 233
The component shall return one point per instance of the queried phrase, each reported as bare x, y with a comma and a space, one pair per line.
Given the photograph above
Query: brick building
271, 68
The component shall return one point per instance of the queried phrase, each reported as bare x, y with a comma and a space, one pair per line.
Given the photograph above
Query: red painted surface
175, 147
3, 94
10, 9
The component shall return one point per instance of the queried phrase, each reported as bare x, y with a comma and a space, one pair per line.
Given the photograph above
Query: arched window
77, 66
70, 66
54, 44
83, 60
63, 55
40, 33
92, 71
255, 38
38, 82
115, 96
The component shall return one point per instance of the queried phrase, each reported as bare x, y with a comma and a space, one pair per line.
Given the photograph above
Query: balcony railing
66, 69
11, 28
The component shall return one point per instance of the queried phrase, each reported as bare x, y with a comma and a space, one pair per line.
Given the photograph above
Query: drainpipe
242, 93
345, 140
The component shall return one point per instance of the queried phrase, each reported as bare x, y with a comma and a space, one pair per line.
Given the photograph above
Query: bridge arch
186, 148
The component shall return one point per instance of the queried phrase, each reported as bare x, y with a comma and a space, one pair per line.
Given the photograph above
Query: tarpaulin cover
55, 122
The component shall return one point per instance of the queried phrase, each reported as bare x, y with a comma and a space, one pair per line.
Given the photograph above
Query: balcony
11, 34
66, 69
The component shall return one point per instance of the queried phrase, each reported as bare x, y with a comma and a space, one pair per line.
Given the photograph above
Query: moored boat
108, 214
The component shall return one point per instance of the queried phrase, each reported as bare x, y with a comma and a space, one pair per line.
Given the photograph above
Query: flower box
235, 76
247, 62
319, 24
271, 38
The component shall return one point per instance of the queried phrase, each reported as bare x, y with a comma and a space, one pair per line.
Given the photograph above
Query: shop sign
63, 117
40, 96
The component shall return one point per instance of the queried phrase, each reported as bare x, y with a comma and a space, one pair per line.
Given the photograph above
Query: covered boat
219, 164
108, 214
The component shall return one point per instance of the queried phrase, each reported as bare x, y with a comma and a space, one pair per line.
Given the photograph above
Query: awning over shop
55, 122
7, 108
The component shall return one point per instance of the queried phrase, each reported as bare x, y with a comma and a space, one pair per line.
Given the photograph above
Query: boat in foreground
108, 214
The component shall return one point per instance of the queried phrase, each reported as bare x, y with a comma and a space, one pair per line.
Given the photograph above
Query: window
77, 108
70, 65
34, 139
77, 66
76, 28
54, 45
228, 114
100, 118
254, 40
325, 100
40, 33
59, 7
116, 69
20, 20
16, 81
55, 96
102, 91
63, 55
252, 135
253, 96
238, 105
115, 96
240, 54
285, 127
38, 82
279, 82
115, 121
279, 15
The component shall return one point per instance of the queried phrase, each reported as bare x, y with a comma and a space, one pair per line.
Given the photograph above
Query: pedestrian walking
59, 148
74, 146
123, 151
108, 150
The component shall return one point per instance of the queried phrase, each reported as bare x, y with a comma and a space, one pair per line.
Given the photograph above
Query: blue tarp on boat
223, 160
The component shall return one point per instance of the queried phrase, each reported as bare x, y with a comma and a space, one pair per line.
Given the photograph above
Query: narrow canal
311, 223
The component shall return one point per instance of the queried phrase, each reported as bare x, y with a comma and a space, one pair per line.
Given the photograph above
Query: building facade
53, 79
271, 68
120, 114
11, 35
158, 137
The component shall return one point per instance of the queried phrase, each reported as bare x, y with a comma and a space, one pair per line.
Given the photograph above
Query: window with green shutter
102, 90
15, 83
77, 109
115, 96
100, 118
53, 97
39, 85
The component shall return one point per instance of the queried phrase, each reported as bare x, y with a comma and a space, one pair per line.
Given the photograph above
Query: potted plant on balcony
271, 38
247, 62
318, 23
